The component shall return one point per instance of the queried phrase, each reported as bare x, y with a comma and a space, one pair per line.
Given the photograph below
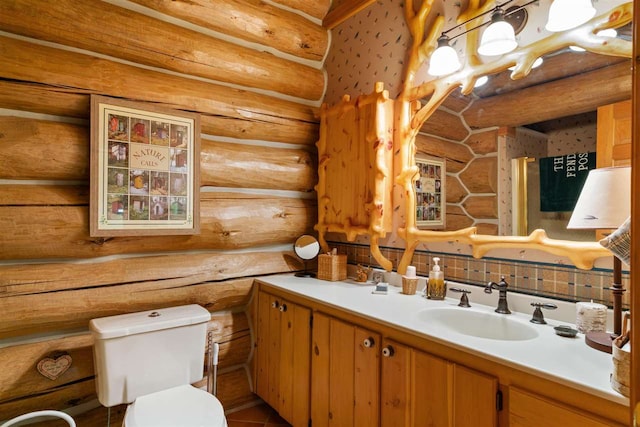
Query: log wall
257, 90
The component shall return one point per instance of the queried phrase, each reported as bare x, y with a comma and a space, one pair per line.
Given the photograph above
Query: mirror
307, 248
432, 93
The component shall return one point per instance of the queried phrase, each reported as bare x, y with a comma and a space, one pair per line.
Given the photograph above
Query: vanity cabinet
317, 361
529, 410
345, 372
283, 336
419, 389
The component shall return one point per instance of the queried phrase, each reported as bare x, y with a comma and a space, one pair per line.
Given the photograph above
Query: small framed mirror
307, 248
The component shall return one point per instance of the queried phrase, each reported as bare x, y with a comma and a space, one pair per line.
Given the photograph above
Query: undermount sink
477, 324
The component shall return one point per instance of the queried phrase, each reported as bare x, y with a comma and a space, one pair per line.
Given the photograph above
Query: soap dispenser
436, 287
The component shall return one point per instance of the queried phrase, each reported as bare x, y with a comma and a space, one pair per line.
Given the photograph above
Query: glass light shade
568, 14
605, 199
481, 81
444, 60
499, 37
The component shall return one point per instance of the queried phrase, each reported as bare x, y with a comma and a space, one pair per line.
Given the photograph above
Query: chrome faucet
503, 306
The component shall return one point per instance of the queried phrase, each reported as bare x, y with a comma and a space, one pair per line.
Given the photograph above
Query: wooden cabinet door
528, 410
395, 392
283, 357
294, 364
268, 349
614, 135
432, 403
419, 389
474, 398
345, 372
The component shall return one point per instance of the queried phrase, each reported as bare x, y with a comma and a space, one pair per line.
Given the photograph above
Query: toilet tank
140, 353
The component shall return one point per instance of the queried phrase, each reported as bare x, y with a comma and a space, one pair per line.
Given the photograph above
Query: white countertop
568, 361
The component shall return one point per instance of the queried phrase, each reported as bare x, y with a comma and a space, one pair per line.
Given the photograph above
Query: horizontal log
232, 332
257, 22
31, 303
226, 222
483, 142
445, 125
66, 150
44, 99
456, 154
581, 93
485, 207
243, 166
224, 106
63, 149
168, 271
59, 398
141, 39
457, 219
341, 11
44, 195
317, 9
481, 175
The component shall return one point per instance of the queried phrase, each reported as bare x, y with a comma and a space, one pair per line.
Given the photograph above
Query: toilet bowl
177, 407
149, 360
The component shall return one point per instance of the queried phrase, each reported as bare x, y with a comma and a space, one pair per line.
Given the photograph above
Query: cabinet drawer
529, 410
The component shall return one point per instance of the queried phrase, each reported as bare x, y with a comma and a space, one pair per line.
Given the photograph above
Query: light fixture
481, 81
444, 60
605, 203
499, 37
568, 14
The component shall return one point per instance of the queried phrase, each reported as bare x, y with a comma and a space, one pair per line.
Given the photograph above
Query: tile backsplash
549, 280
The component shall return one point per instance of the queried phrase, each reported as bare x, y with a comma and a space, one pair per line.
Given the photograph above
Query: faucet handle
464, 300
538, 317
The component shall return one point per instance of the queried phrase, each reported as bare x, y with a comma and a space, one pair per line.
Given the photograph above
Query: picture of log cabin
300, 351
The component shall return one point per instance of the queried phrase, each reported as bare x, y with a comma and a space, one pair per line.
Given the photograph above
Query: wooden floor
256, 416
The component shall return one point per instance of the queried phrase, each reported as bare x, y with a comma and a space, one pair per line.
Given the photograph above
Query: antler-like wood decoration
411, 114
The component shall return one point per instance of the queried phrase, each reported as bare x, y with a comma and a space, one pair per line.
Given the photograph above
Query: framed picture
430, 192
145, 163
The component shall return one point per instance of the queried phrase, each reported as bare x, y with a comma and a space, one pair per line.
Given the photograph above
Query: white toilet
150, 359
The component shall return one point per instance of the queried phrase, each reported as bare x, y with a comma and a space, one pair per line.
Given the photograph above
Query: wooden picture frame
145, 163
430, 194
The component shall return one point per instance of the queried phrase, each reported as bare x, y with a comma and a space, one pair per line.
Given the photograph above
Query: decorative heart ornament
53, 368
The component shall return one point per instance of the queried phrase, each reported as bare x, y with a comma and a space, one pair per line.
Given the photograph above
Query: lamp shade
605, 199
568, 14
499, 37
444, 60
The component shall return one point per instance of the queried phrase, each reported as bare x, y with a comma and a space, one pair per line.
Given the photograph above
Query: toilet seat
182, 406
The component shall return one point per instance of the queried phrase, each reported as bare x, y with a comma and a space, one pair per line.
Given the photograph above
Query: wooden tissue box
332, 267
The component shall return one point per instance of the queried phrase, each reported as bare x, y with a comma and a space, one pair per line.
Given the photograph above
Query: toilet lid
183, 406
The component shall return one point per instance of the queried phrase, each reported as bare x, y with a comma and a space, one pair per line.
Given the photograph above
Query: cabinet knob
275, 304
283, 308
388, 351
369, 342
